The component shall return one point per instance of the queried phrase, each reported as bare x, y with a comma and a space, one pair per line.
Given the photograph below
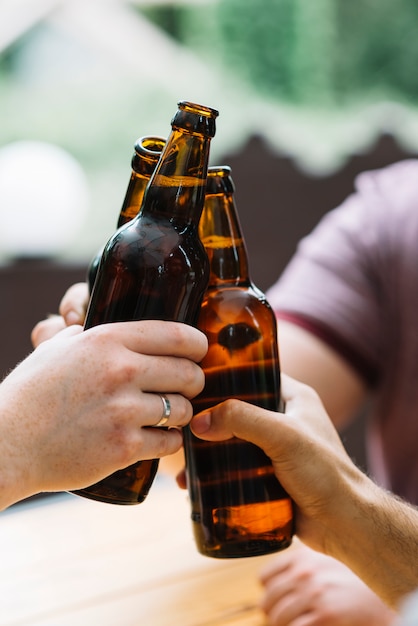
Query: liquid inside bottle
239, 508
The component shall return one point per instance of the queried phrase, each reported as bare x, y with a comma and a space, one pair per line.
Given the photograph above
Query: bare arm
340, 511
305, 357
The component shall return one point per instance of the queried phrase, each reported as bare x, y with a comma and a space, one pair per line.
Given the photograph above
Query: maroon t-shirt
354, 283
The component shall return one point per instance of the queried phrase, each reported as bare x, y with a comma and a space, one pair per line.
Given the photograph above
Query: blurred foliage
321, 52
378, 48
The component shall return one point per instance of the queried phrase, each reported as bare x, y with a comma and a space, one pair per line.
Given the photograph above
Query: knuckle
187, 337
102, 333
126, 442
230, 406
193, 378
126, 371
163, 444
168, 442
179, 333
310, 393
184, 412
129, 451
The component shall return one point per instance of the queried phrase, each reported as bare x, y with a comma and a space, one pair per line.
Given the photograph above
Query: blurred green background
318, 79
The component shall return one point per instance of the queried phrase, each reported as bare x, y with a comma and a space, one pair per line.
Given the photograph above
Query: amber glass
155, 267
239, 508
144, 161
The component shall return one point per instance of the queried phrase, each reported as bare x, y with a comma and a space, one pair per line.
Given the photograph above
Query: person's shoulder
396, 181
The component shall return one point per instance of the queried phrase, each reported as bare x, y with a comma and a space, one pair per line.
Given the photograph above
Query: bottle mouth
147, 153
219, 170
149, 145
219, 180
195, 119
185, 105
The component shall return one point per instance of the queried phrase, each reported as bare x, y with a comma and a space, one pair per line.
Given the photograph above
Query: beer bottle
144, 160
239, 508
155, 266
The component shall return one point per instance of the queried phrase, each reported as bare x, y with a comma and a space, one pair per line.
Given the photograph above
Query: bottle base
243, 550
106, 499
124, 487
246, 530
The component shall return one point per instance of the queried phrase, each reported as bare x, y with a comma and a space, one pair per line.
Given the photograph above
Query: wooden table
69, 561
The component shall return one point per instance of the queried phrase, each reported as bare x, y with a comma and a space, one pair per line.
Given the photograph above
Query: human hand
72, 310
77, 409
303, 445
304, 587
306, 451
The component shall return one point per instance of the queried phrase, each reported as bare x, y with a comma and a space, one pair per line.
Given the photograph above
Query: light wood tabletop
69, 561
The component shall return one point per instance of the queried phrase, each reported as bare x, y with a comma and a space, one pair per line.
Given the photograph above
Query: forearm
377, 539
310, 360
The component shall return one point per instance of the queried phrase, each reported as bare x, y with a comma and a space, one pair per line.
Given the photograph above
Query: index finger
74, 304
162, 338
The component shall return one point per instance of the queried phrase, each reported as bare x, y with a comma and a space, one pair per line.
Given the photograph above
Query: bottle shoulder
227, 305
236, 293
152, 231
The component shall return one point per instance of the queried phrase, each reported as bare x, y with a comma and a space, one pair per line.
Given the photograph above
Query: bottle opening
185, 105
149, 145
219, 180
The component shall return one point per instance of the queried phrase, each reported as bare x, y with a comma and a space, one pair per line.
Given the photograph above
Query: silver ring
166, 411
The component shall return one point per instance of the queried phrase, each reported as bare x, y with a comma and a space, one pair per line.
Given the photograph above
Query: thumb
234, 418
272, 431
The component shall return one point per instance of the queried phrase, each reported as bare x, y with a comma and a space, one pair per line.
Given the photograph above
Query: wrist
348, 521
376, 535
15, 459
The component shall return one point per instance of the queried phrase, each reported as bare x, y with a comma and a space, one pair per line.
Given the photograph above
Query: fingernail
72, 317
201, 423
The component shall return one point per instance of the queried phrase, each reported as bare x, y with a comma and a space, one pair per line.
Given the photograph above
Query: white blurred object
409, 611
44, 198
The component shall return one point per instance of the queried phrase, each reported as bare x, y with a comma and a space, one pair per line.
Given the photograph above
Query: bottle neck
220, 232
177, 188
133, 198
144, 161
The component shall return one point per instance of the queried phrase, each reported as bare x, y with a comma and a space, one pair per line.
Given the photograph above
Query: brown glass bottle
144, 161
155, 267
239, 508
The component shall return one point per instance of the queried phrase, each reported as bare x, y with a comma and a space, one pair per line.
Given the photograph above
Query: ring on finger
166, 411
